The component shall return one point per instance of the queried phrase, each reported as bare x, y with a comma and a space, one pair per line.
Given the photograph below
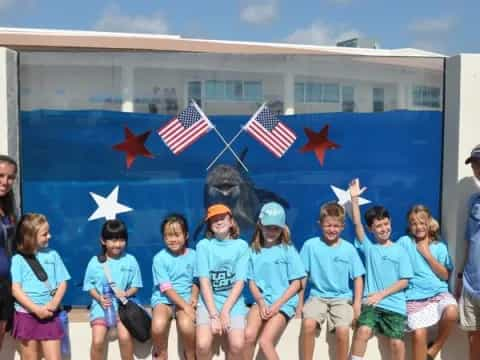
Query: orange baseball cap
217, 209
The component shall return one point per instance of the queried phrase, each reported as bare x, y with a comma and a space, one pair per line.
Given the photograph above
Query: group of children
375, 285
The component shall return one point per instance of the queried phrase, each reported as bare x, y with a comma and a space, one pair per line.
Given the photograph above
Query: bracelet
460, 275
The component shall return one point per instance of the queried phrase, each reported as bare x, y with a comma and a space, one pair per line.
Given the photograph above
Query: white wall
461, 134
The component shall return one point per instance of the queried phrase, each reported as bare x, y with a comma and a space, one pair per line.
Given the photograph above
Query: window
313, 92
233, 90
348, 99
378, 99
426, 96
195, 91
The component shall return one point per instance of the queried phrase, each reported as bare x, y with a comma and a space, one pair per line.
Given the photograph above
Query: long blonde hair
422, 212
258, 241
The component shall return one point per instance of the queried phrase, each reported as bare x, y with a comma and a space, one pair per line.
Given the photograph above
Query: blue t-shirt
385, 266
273, 269
36, 290
425, 283
223, 262
175, 272
471, 273
124, 271
331, 268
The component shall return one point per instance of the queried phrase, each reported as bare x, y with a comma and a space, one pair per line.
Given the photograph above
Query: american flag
271, 132
186, 128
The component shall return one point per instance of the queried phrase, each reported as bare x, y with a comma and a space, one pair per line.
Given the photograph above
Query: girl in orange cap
222, 261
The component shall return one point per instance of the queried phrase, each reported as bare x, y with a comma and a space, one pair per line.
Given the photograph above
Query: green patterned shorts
384, 322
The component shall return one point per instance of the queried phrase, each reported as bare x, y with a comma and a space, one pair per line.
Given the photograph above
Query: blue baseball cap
272, 213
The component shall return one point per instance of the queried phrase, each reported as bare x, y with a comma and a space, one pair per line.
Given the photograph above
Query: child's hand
190, 311
42, 312
105, 302
216, 325
357, 309
52, 306
225, 320
423, 248
274, 310
354, 189
263, 309
194, 303
375, 298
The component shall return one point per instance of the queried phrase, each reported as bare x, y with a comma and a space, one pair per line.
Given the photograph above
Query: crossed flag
192, 123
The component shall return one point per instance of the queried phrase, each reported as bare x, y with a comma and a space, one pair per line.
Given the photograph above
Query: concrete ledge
80, 335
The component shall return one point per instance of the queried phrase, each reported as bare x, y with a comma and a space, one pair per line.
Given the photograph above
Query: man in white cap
468, 277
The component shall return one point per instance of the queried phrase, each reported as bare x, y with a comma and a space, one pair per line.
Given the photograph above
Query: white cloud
259, 12
113, 20
433, 25
322, 34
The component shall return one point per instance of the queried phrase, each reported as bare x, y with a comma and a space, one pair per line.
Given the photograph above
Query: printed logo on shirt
281, 261
339, 259
222, 280
126, 269
389, 259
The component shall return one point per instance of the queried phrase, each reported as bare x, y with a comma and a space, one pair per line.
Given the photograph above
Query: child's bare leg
236, 343
309, 330
29, 349
51, 349
419, 344
204, 342
445, 327
125, 341
474, 342
254, 324
186, 328
360, 340
162, 317
271, 332
97, 348
397, 349
342, 335
3, 325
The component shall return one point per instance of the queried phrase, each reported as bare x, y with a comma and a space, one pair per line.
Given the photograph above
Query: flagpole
227, 146
225, 149
219, 135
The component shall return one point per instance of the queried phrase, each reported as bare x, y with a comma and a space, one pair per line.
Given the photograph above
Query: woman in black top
8, 173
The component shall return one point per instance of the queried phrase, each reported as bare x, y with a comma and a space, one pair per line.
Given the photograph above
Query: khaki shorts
469, 309
336, 312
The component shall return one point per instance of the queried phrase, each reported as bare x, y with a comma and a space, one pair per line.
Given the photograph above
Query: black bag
136, 320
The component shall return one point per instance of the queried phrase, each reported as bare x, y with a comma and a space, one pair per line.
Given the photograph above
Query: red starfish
134, 145
319, 143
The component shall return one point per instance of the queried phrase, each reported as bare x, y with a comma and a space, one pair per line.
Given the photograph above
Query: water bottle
110, 314
65, 343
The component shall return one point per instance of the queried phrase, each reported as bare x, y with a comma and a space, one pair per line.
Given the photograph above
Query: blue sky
444, 26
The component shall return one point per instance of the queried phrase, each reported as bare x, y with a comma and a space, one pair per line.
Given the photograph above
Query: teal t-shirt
223, 262
331, 268
175, 272
124, 271
35, 289
272, 269
425, 283
385, 266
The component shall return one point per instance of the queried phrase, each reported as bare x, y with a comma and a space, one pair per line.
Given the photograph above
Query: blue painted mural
68, 154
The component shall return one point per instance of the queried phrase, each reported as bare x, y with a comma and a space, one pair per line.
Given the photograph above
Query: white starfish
108, 207
345, 200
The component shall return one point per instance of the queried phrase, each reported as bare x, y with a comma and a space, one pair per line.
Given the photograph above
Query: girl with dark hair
8, 173
175, 293
125, 273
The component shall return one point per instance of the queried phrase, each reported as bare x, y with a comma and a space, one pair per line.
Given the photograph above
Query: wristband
460, 275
